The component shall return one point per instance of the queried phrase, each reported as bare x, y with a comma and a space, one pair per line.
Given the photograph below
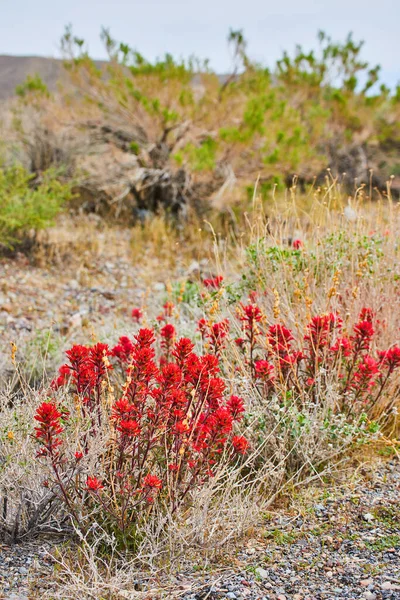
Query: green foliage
32, 85
24, 208
202, 157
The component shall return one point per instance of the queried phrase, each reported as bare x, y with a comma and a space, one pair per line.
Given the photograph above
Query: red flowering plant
166, 432
214, 334
280, 361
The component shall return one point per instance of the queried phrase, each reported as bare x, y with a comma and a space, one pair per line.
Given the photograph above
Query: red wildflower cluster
322, 350
365, 376
168, 334
320, 330
169, 427
240, 444
214, 333
137, 314
390, 358
265, 371
86, 369
123, 350
297, 244
280, 338
94, 485
250, 314
168, 311
213, 283
49, 418
363, 333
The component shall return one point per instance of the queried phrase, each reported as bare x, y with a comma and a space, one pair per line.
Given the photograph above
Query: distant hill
14, 70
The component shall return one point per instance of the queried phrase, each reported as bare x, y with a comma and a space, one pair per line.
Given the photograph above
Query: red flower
390, 358
63, 374
49, 428
279, 338
213, 283
366, 374
152, 481
363, 332
289, 360
202, 326
137, 314
78, 455
217, 334
240, 342
49, 417
180, 428
168, 332
124, 349
182, 349
250, 313
366, 314
235, 405
320, 328
240, 444
342, 345
94, 485
364, 329
145, 338
122, 409
297, 244
264, 370
129, 428
221, 420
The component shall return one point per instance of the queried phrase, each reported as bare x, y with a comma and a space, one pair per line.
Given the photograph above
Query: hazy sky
183, 27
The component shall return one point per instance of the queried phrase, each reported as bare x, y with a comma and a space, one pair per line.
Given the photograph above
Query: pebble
386, 585
368, 517
262, 572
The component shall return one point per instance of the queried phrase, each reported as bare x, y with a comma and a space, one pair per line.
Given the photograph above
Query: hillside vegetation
136, 137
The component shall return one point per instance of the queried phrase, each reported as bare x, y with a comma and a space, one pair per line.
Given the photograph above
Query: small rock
194, 268
281, 597
386, 585
231, 595
366, 582
368, 517
369, 596
262, 573
76, 320
73, 284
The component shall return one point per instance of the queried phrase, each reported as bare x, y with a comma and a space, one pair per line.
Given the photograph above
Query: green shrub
25, 208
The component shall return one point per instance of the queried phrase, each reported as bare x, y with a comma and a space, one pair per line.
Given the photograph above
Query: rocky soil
334, 543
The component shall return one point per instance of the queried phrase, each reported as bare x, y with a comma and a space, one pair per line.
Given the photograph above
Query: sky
200, 27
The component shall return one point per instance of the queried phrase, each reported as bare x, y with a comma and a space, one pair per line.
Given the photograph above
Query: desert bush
24, 208
165, 136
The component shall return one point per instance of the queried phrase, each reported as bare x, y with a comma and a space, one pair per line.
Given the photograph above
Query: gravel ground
340, 544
